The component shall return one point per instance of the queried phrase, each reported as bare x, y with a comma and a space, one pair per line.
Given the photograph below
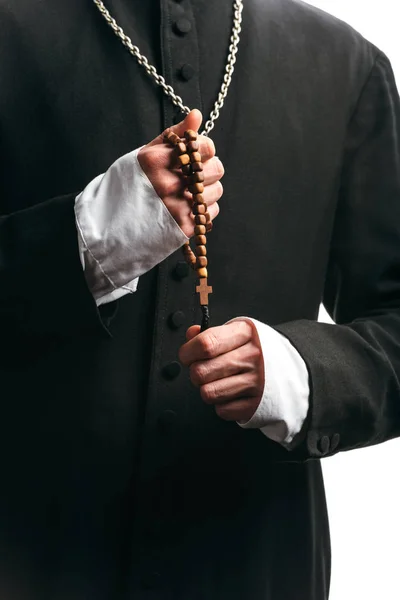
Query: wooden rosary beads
189, 160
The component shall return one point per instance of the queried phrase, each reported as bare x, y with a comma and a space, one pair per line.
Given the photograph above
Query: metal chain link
160, 81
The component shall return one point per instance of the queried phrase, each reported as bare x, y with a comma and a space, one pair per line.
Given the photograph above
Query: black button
176, 319
181, 270
150, 580
183, 26
172, 370
335, 441
166, 420
324, 444
187, 72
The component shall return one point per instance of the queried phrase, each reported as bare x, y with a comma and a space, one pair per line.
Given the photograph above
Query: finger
242, 360
191, 121
244, 385
213, 211
192, 332
239, 410
212, 193
206, 148
213, 171
216, 341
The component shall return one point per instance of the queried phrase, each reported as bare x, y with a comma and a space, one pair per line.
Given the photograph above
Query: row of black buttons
176, 319
152, 578
172, 370
182, 27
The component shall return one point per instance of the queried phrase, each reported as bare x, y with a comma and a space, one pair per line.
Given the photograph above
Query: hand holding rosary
190, 162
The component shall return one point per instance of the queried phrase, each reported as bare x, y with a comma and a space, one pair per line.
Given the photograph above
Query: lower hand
227, 364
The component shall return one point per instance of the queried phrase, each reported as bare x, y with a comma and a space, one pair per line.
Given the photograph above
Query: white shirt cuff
129, 288
124, 229
285, 401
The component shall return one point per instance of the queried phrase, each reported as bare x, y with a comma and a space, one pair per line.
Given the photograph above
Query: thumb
191, 121
192, 332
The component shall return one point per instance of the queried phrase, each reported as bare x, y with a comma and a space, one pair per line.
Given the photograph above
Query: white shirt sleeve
124, 229
285, 401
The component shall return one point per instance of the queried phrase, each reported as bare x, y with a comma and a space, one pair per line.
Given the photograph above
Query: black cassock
117, 481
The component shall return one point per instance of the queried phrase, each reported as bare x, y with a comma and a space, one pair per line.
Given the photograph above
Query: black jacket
116, 481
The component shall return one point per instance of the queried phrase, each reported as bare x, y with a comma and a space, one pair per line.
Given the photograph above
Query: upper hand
157, 161
227, 364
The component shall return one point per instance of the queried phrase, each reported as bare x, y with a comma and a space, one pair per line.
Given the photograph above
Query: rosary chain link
159, 79
230, 66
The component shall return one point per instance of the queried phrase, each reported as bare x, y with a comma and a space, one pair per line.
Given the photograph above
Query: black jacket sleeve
354, 366
43, 290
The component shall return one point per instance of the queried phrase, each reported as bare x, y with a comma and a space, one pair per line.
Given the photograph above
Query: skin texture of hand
227, 364
157, 161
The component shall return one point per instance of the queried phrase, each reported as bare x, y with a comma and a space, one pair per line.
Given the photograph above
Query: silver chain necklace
168, 89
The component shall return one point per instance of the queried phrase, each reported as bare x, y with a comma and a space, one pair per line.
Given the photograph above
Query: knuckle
197, 373
210, 147
245, 328
220, 189
209, 345
208, 393
214, 210
255, 352
169, 187
219, 168
150, 158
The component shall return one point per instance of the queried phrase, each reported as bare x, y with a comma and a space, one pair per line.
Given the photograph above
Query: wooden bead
202, 272
190, 135
197, 177
200, 240
195, 157
167, 134
180, 148
196, 188
201, 250
209, 226
198, 198
208, 218
193, 146
184, 159
199, 229
197, 166
187, 169
199, 209
173, 138
201, 262
200, 220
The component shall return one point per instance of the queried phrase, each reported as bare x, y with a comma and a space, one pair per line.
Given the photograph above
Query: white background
363, 486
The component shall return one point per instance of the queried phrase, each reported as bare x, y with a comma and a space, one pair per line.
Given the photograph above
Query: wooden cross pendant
204, 290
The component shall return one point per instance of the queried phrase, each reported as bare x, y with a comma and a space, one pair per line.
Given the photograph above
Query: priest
140, 456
